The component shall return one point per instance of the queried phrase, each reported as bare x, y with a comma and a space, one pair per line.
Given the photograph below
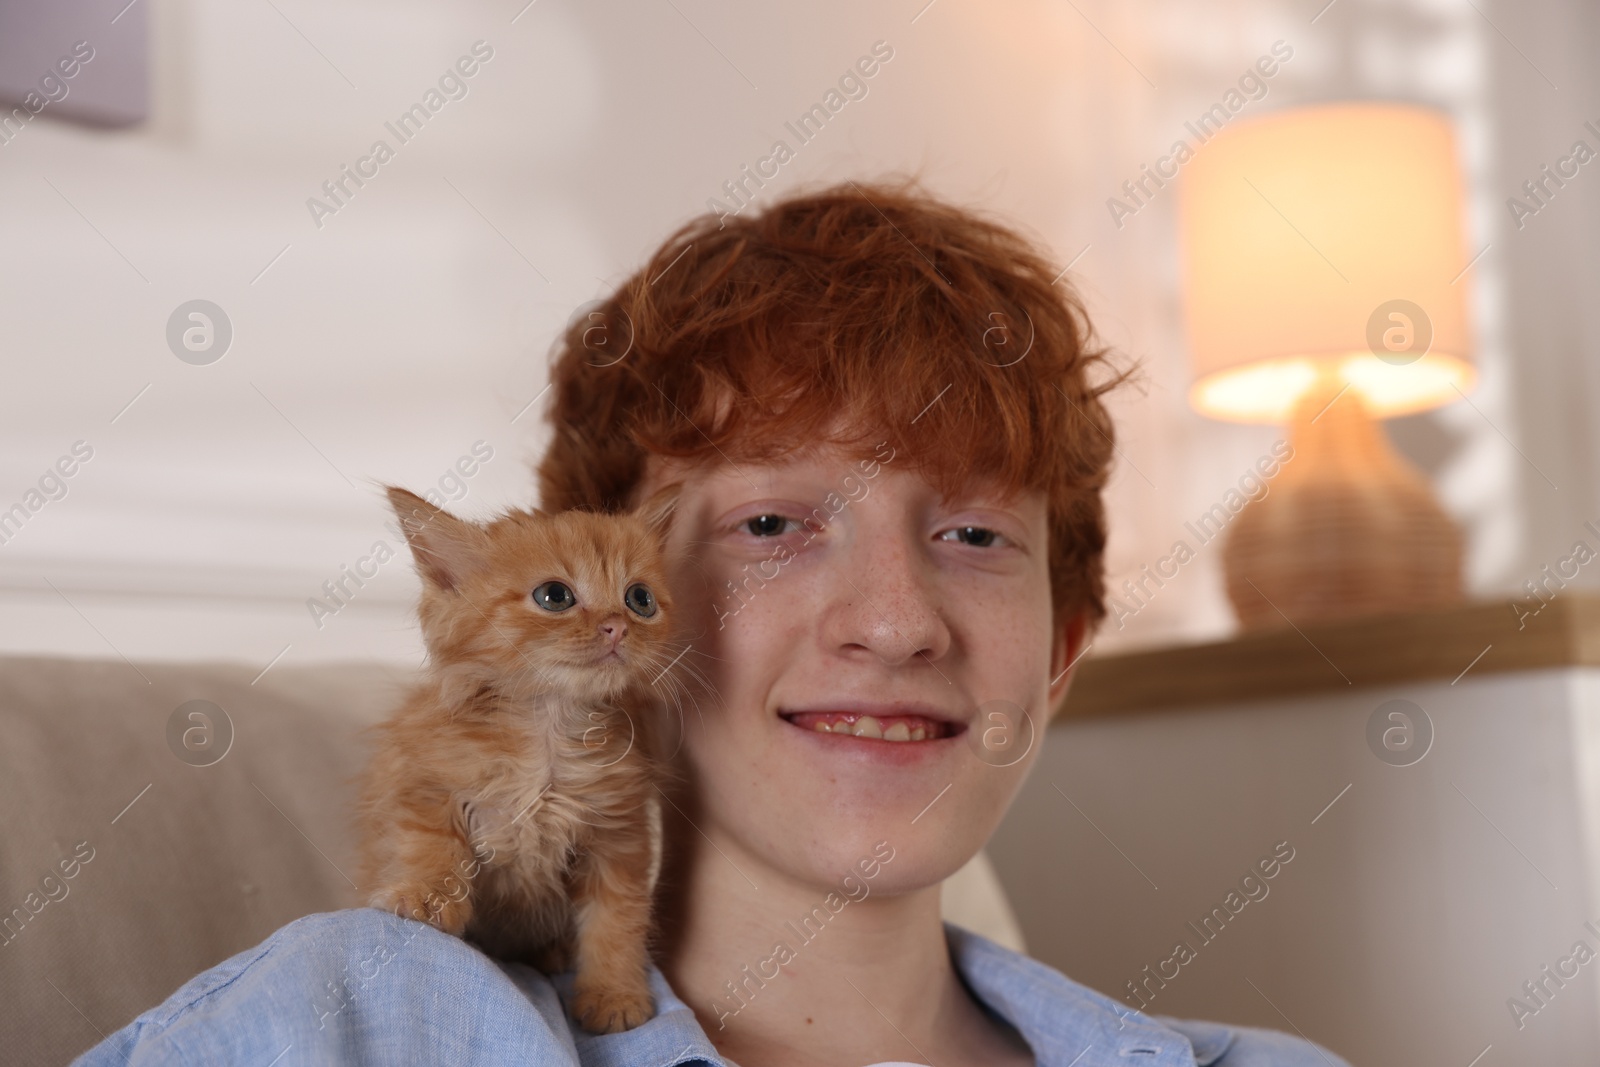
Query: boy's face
937, 614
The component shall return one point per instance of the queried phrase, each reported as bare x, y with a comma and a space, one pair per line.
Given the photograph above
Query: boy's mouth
886, 727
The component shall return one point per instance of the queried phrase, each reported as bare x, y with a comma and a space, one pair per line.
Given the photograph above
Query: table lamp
1323, 264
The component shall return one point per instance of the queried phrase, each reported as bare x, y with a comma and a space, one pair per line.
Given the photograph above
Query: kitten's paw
554, 957
427, 905
608, 1010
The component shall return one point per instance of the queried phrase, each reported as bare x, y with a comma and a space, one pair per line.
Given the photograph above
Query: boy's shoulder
347, 979
365, 985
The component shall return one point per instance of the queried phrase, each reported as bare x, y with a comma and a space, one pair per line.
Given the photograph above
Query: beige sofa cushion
206, 863
208, 860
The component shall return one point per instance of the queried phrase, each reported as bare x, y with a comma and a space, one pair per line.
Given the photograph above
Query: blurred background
397, 330
430, 300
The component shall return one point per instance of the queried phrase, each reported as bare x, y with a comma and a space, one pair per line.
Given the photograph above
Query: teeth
873, 727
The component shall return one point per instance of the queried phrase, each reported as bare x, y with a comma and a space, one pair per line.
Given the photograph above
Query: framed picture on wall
82, 60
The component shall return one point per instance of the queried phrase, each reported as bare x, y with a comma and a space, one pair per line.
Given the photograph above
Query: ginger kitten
512, 797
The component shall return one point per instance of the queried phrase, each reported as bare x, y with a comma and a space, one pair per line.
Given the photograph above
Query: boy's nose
888, 607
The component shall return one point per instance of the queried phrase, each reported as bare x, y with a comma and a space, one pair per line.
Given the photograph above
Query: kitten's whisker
675, 689
669, 666
679, 686
705, 654
676, 699
691, 668
677, 706
697, 709
663, 682
682, 688
686, 678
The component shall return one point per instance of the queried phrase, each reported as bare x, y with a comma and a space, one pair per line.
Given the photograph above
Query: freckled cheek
761, 641
1008, 634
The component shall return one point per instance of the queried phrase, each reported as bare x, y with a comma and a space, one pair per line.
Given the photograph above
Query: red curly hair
919, 322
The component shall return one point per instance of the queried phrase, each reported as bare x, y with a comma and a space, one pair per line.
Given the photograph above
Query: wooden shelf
1380, 650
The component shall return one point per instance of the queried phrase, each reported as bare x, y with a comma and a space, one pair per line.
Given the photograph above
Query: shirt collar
1070, 1025
1066, 1024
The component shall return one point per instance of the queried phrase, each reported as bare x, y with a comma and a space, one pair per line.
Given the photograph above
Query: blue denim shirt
366, 987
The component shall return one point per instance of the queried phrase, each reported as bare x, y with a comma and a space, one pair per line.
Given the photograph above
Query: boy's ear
657, 511
445, 548
1071, 640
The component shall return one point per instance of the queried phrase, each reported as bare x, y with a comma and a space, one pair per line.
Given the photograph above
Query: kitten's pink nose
616, 628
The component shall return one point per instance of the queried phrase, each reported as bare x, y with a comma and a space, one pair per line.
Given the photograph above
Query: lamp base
1347, 527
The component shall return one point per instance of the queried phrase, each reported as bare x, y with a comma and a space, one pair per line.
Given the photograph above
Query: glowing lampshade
1326, 242
1323, 263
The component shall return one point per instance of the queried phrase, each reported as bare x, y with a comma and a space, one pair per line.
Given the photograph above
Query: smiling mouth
873, 727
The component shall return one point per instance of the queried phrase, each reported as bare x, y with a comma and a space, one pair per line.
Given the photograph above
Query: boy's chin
880, 859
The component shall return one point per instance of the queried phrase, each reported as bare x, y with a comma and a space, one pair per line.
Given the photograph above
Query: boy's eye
766, 525
981, 536
553, 596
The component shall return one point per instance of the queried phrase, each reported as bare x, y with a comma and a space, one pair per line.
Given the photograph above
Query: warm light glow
1326, 237
1265, 391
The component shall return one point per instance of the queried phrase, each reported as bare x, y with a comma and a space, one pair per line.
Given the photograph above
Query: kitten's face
579, 598
574, 601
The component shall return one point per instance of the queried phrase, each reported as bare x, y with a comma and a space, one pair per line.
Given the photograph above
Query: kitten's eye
553, 596
640, 600
766, 525
980, 536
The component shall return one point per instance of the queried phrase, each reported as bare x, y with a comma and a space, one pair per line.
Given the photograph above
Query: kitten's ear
657, 512
445, 548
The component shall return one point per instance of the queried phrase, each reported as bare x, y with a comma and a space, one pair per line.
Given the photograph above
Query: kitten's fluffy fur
512, 798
